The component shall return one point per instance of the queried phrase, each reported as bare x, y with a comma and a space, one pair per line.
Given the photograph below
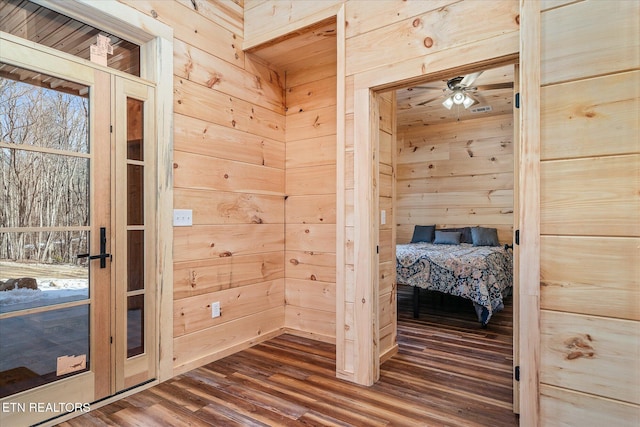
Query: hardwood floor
448, 372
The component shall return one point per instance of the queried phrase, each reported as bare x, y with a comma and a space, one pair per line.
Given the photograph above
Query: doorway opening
454, 171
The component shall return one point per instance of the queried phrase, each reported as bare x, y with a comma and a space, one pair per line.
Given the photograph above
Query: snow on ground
50, 291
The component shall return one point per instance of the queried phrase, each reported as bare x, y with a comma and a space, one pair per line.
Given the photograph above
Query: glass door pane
44, 226
135, 227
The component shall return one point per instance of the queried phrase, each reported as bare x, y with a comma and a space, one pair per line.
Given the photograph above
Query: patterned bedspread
482, 274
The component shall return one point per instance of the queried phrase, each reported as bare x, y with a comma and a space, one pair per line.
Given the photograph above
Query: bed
480, 273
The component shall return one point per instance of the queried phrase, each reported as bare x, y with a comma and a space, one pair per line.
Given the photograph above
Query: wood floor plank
448, 372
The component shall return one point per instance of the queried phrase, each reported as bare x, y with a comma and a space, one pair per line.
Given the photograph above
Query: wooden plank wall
271, 20
382, 34
310, 207
590, 214
229, 168
456, 174
387, 297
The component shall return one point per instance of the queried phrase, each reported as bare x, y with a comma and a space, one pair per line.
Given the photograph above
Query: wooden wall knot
256, 219
313, 277
188, 68
213, 80
428, 42
225, 254
579, 346
193, 277
294, 261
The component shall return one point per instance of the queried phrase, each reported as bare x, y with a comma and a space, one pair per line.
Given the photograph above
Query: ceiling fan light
448, 103
468, 101
458, 97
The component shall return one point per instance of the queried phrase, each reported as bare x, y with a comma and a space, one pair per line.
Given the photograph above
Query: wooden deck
448, 372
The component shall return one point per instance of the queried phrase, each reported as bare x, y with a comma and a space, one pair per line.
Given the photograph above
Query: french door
77, 305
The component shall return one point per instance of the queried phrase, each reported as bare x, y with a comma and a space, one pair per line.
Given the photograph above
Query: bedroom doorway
436, 182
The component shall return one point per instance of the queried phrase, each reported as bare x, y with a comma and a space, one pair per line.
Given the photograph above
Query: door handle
103, 250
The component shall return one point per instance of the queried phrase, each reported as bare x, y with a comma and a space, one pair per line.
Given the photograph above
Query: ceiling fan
459, 91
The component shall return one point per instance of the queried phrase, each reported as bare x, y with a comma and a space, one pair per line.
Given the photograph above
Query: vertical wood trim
392, 217
516, 248
365, 356
529, 208
164, 205
119, 233
340, 192
374, 226
100, 279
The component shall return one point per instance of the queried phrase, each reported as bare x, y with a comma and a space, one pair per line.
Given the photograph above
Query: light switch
383, 217
182, 217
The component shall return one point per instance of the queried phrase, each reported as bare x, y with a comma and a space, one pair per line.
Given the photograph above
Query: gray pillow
484, 236
447, 238
465, 233
423, 233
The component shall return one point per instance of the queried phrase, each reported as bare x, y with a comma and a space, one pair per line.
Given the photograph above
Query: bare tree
43, 183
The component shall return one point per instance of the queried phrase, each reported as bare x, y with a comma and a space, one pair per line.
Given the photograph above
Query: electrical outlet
215, 309
182, 217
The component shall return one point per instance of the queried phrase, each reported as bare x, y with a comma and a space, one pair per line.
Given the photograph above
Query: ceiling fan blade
469, 79
429, 100
492, 86
427, 87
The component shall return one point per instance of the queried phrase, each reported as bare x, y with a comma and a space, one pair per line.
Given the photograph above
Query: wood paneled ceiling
305, 49
412, 114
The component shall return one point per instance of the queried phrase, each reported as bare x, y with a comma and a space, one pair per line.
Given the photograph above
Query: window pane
30, 346
33, 113
135, 195
135, 325
42, 25
135, 129
43, 190
135, 260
